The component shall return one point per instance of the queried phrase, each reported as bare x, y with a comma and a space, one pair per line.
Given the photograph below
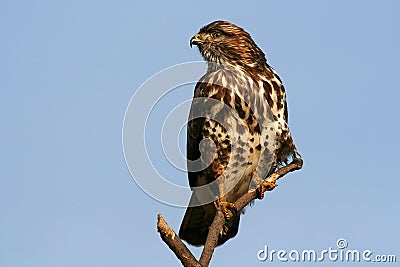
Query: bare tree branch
175, 243
183, 253
212, 238
243, 201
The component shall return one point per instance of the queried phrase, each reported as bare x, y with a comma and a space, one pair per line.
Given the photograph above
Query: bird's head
225, 43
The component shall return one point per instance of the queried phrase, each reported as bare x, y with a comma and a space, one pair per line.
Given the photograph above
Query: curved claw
226, 207
265, 186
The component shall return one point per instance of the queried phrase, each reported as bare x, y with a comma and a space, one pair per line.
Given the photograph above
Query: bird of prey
244, 117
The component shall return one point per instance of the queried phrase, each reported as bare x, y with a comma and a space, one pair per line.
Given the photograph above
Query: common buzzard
247, 140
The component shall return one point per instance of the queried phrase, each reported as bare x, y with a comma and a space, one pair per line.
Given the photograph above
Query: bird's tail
197, 220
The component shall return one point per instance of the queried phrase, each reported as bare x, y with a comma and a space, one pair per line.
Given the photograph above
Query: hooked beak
196, 40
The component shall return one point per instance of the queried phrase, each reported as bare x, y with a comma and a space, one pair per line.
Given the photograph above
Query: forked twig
183, 253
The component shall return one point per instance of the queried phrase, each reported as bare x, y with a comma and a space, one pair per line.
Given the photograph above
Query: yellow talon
226, 207
265, 186
268, 185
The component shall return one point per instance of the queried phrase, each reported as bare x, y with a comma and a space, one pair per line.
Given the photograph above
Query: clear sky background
69, 68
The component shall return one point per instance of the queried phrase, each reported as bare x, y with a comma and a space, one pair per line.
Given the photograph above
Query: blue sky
68, 70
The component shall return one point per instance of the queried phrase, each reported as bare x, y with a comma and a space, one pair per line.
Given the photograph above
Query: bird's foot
226, 207
265, 186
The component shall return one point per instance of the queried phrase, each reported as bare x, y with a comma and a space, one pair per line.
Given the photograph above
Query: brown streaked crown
225, 43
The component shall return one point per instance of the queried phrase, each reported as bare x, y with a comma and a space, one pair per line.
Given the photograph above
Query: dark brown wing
223, 125
197, 220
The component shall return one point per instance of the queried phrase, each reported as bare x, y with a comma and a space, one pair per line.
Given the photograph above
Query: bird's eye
215, 33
